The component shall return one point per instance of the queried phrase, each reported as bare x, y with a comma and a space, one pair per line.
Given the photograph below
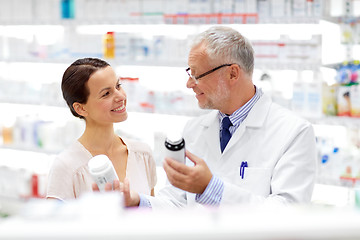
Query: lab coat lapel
211, 134
255, 119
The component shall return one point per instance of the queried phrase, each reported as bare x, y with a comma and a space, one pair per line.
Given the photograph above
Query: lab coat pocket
256, 180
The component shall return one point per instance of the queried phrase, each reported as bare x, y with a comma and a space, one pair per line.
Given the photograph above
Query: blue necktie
225, 133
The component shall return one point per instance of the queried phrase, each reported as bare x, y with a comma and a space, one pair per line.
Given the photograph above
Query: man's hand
131, 198
191, 179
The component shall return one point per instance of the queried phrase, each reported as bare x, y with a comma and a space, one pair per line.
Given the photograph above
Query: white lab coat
278, 146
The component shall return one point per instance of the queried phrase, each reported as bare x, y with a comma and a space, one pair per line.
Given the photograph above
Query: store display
109, 45
289, 52
307, 98
67, 9
23, 176
338, 165
32, 133
343, 99
355, 101
329, 99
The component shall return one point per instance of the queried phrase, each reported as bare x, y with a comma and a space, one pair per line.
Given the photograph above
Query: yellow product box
343, 100
355, 100
329, 99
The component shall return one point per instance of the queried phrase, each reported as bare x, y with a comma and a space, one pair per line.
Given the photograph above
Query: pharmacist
249, 149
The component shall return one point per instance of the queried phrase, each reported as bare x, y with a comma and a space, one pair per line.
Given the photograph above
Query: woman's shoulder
73, 156
74, 149
138, 146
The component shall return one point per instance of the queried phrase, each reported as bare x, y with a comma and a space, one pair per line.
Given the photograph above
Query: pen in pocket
244, 164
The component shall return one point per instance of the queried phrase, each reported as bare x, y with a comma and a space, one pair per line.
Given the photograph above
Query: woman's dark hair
74, 81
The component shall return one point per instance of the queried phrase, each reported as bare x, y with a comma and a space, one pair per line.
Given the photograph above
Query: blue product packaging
67, 9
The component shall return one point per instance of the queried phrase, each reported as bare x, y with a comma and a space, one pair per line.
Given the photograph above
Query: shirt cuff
144, 202
212, 194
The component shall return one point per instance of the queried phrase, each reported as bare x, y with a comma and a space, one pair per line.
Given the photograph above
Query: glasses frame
196, 78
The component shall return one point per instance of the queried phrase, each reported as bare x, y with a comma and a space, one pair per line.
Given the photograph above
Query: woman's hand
131, 198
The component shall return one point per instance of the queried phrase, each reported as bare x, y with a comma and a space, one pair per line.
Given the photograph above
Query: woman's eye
118, 86
107, 93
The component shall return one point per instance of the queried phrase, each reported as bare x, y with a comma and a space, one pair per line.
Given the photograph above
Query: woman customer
93, 92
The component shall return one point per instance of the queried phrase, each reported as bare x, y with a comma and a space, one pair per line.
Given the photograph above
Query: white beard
218, 98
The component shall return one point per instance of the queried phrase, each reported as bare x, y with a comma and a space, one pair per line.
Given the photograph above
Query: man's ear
235, 72
79, 109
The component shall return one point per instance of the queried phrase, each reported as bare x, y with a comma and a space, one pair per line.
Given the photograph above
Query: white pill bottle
102, 171
175, 147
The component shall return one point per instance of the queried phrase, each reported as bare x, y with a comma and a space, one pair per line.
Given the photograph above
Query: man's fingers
176, 178
179, 167
192, 157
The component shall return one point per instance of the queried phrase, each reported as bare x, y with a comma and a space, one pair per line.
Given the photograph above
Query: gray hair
228, 45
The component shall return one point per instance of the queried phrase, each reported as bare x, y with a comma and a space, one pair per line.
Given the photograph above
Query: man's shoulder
205, 118
283, 114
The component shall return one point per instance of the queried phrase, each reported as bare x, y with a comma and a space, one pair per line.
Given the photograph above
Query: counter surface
86, 220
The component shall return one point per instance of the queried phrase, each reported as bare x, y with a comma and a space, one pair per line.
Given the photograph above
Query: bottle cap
98, 163
174, 137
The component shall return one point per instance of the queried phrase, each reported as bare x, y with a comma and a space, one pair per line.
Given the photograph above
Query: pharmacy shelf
259, 63
339, 65
29, 149
65, 128
144, 20
113, 62
160, 123
289, 20
175, 19
299, 66
11, 205
37, 103
42, 106
336, 120
342, 19
334, 65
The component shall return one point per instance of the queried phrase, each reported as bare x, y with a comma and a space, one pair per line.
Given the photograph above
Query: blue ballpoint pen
242, 169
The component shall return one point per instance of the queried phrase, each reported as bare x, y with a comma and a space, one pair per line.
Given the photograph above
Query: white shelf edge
175, 63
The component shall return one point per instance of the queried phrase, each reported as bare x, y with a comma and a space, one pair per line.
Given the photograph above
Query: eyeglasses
196, 78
